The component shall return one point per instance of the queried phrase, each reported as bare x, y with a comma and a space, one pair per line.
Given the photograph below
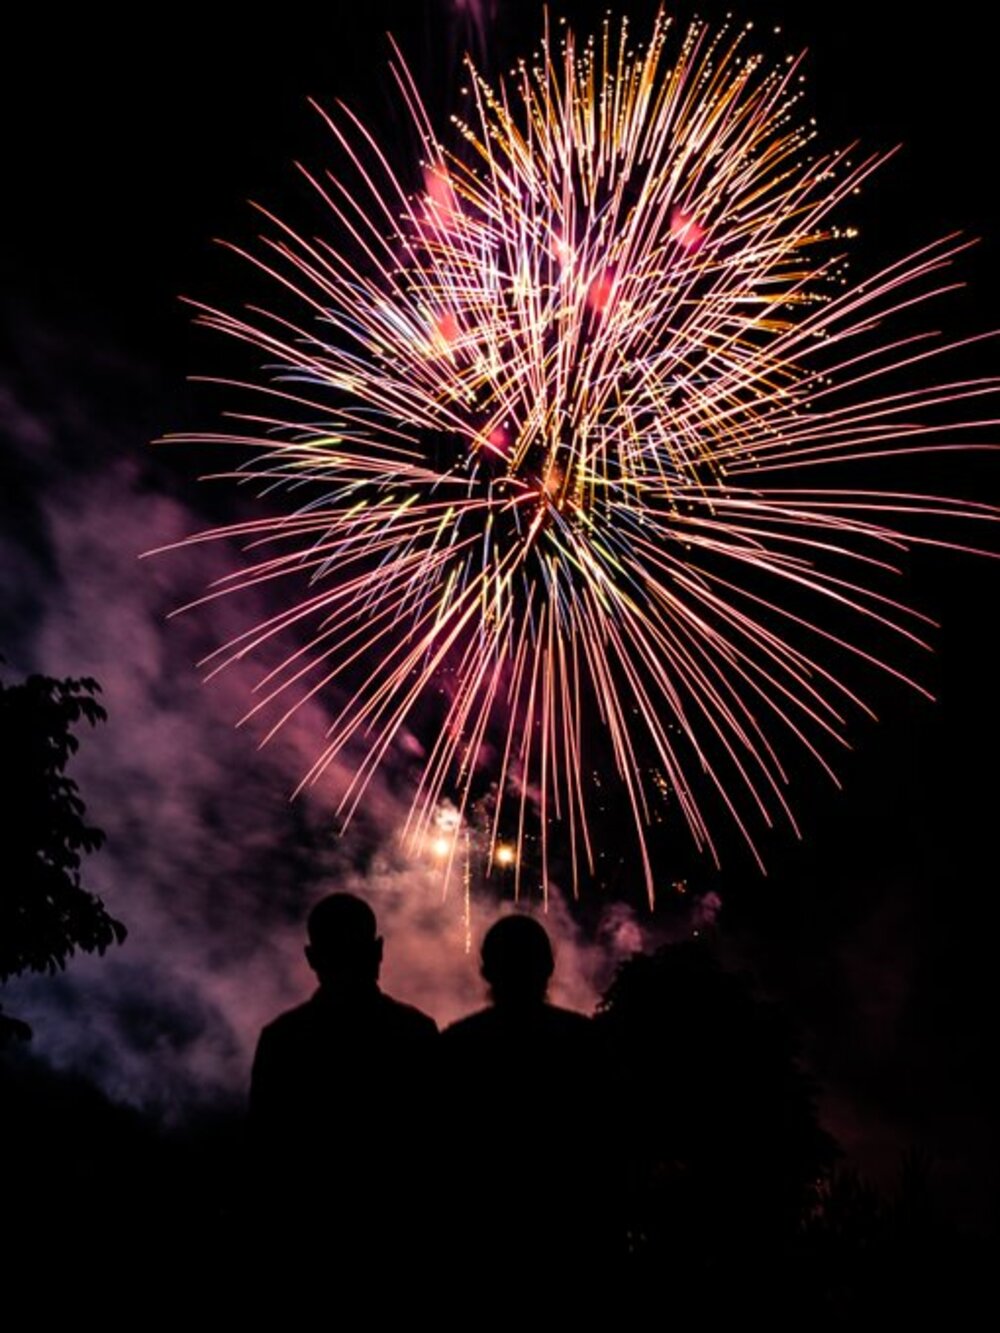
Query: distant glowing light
599, 292
686, 231
446, 329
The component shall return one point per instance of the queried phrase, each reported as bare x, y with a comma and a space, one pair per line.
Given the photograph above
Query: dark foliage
12, 1030
97, 1192
721, 1154
878, 1250
45, 912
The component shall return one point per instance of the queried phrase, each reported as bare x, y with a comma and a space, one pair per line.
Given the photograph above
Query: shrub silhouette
719, 1146
45, 912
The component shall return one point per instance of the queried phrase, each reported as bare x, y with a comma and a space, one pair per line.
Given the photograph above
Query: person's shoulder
407, 1017
569, 1021
289, 1023
571, 1017
471, 1026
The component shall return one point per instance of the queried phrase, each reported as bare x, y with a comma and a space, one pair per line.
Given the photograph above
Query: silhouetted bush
719, 1148
45, 912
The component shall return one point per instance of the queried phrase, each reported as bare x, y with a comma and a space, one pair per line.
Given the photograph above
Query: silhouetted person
522, 1079
517, 964
339, 1097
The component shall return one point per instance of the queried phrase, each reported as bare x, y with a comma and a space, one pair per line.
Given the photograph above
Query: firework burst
554, 411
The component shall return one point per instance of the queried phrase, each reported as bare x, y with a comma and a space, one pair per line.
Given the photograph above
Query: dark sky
118, 169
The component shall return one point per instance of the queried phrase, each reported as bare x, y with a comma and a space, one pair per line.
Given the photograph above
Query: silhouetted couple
375, 1135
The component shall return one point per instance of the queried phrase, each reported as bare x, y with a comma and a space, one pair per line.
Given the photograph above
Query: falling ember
552, 488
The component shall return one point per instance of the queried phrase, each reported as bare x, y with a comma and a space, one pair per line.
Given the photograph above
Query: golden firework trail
555, 412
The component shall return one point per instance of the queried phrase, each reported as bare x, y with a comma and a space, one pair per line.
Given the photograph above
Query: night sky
878, 928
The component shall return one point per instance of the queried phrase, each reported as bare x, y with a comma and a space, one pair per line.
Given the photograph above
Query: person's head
517, 960
345, 948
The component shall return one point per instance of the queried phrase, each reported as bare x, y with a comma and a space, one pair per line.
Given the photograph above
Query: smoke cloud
208, 862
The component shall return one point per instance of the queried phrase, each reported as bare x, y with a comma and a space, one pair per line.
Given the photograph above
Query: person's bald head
344, 947
517, 960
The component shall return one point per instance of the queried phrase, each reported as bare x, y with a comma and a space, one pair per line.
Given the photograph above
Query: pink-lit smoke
207, 862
